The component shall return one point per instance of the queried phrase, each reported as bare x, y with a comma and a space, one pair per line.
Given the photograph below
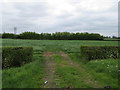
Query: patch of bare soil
48, 54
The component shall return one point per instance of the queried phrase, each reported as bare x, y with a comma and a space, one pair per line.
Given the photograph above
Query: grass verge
104, 71
27, 76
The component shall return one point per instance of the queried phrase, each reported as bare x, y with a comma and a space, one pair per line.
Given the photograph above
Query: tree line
54, 36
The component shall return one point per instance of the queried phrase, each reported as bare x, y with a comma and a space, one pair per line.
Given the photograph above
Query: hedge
9, 35
55, 36
16, 56
100, 52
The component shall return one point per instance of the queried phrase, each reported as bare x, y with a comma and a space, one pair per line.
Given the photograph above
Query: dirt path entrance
49, 70
50, 67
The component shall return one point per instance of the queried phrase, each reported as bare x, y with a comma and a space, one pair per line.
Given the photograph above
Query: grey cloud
92, 22
34, 10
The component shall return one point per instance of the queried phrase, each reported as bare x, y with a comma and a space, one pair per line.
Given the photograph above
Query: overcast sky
48, 16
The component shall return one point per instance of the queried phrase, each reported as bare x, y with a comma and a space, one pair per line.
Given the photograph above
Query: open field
59, 63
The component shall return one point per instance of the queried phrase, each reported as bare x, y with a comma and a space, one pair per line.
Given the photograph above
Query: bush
29, 35
16, 56
9, 35
100, 52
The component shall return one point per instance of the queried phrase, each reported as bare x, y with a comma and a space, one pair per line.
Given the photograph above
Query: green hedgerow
100, 52
16, 56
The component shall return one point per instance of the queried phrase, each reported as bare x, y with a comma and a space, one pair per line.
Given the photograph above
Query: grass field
59, 63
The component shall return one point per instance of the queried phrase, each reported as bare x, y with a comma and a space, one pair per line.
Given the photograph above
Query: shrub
16, 56
9, 35
100, 52
29, 35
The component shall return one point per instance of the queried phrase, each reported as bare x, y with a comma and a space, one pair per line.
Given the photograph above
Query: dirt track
50, 66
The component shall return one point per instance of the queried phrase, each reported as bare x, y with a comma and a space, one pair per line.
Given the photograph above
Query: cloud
61, 15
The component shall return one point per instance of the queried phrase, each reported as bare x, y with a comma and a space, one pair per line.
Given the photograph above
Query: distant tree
55, 36
29, 35
8, 35
114, 37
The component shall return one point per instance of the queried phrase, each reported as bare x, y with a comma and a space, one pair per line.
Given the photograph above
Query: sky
49, 16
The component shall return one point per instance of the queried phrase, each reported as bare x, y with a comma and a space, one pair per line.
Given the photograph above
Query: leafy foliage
9, 35
55, 36
100, 52
29, 35
16, 56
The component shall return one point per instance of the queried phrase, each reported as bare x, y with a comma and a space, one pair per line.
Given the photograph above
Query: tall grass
104, 71
108, 66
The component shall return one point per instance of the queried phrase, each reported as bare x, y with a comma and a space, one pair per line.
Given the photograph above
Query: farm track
50, 67
71, 63
49, 70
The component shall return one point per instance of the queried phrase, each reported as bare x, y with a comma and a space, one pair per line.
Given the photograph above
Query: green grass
27, 76
111, 39
106, 71
108, 66
71, 76
68, 75
31, 75
69, 46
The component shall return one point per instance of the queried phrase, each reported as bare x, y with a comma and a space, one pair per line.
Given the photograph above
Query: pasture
59, 62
